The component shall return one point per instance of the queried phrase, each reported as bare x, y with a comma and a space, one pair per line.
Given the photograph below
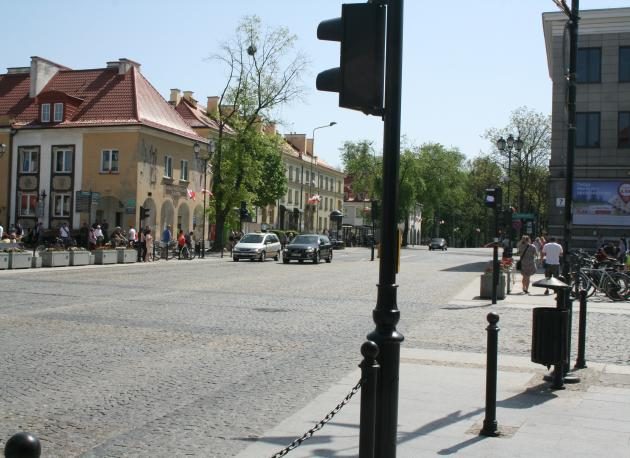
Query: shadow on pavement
470, 267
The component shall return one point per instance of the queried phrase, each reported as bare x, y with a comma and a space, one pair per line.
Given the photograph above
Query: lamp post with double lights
509, 145
205, 157
313, 157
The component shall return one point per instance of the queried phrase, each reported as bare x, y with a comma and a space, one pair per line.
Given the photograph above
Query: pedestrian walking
551, 253
527, 262
148, 241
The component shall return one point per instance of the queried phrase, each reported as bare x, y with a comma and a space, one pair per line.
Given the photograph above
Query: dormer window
58, 114
45, 115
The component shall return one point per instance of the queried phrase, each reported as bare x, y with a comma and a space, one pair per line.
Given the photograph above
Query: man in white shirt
551, 253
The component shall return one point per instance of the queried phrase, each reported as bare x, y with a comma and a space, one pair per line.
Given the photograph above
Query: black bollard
490, 427
495, 272
23, 445
369, 382
580, 362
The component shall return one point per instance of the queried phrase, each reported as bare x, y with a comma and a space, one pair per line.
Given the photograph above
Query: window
109, 161
290, 173
623, 132
61, 205
624, 64
587, 130
184, 171
63, 160
327, 185
28, 203
297, 196
28, 161
168, 167
45, 115
58, 113
589, 65
290, 197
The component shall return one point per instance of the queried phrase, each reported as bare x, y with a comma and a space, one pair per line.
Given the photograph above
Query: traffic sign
525, 216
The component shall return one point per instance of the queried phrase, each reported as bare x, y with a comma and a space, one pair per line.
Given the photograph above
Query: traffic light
359, 78
493, 197
144, 213
374, 210
243, 212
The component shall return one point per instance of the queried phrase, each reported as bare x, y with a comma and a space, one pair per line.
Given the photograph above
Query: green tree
263, 73
363, 166
529, 167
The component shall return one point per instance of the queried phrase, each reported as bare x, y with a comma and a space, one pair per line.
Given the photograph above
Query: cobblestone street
199, 358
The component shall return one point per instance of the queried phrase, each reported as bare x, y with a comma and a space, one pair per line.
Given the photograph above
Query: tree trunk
220, 225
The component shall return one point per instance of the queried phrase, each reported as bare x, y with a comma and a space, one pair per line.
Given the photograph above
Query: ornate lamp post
313, 157
510, 144
205, 157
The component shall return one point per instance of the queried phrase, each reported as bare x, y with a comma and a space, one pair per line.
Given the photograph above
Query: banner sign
605, 203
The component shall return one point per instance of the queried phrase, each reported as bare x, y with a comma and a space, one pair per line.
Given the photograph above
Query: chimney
124, 65
213, 105
42, 71
188, 95
297, 140
309, 146
270, 128
176, 97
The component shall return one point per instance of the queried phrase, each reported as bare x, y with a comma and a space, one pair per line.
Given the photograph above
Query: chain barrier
307, 435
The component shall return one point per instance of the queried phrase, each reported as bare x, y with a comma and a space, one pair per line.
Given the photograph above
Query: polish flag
191, 194
314, 199
206, 191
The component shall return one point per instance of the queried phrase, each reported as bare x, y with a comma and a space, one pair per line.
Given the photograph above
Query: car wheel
316, 258
329, 258
277, 256
263, 256
285, 261
235, 259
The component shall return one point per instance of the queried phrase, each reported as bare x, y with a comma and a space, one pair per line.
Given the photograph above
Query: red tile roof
102, 98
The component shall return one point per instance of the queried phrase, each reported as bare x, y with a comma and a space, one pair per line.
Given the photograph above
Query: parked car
257, 246
437, 244
311, 247
337, 244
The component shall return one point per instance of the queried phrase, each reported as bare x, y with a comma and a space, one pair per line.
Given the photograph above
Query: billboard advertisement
605, 203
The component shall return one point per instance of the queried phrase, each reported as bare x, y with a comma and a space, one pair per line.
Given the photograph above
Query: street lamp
205, 157
313, 157
510, 144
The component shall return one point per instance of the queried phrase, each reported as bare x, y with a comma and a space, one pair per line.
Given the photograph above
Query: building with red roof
94, 145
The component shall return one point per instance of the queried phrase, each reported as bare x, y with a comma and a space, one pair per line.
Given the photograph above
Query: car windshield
252, 238
437, 240
305, 239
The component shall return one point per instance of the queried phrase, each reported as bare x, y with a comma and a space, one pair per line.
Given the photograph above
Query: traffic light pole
386, 314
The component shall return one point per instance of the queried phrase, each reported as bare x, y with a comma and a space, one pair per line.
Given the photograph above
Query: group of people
548, 253
183, 239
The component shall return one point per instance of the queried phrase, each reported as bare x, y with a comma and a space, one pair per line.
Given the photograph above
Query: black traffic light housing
144, 213
493, 198
359, 79
243, 212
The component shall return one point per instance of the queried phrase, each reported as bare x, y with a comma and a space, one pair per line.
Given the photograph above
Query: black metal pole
559, 369
580, 362
203, 223
495, 272
386, 314
369, 384
571, 109
490, 427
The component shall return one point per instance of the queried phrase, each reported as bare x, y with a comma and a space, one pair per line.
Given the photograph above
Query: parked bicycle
594, 275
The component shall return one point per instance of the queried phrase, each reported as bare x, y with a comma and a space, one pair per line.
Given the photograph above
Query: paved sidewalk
441, 405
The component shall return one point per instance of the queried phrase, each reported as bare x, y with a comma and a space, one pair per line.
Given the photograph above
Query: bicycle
598, 276
187, 253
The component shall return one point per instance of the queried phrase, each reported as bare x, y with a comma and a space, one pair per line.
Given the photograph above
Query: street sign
524, 216
559, 201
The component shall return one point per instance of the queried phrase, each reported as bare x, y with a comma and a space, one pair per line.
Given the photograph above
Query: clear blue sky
467, 64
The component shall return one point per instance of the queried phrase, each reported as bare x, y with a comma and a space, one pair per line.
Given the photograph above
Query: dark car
309, 247
337, 244
437, 244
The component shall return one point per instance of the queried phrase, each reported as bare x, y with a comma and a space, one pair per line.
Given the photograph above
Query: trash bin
549, 335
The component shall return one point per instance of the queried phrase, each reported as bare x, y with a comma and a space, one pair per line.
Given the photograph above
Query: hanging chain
297, 442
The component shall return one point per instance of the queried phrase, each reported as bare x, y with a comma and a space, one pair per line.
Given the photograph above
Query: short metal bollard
490, 427
23, 445
580, 362
369, 383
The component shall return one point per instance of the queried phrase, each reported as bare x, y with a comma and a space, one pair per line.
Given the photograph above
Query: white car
257, 246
